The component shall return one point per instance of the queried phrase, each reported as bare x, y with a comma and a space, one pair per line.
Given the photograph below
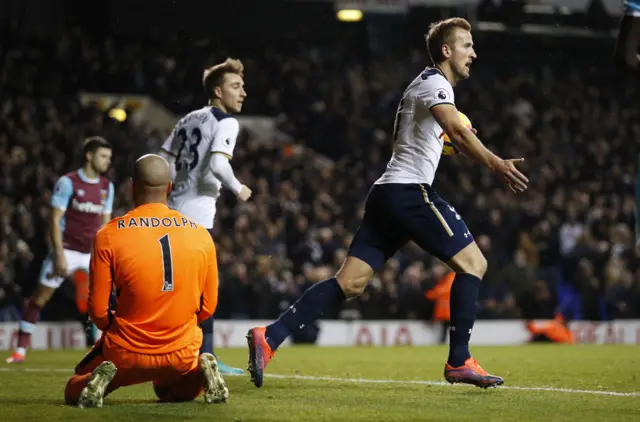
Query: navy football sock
207, 336
464, 294
322, 298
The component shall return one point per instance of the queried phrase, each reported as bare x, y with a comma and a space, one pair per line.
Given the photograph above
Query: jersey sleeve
221, 169
108, 204
435, 90
62, 192
224, 137
100, 280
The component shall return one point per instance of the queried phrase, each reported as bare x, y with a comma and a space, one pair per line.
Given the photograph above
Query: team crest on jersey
103, 196
80, 192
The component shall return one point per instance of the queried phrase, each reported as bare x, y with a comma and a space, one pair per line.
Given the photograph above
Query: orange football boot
15, 358
260, 354
471, 373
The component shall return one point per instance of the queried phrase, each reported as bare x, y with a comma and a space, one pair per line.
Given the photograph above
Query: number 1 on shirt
167, 264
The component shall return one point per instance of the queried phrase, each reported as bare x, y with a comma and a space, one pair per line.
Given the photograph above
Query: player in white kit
628, 40
199, 149
402, 206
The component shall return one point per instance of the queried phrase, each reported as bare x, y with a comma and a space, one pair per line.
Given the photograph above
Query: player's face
462, 54
101, 159
232, 93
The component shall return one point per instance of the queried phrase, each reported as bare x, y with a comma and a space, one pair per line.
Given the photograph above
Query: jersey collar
219, 114
437, 69
150, 206
85, 179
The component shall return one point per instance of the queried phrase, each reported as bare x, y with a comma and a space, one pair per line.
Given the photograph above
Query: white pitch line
14, 369
383, 381
442, 383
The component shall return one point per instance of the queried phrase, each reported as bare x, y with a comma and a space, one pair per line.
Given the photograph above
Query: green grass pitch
542, 383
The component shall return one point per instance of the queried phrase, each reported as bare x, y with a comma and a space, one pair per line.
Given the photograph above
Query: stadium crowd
564, 245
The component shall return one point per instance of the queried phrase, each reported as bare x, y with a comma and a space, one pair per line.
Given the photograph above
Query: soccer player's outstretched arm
62, 193
100, 281
224, 142
210, 290
108, 205
467, 142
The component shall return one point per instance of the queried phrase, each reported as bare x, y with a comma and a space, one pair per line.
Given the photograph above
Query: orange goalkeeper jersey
165, 273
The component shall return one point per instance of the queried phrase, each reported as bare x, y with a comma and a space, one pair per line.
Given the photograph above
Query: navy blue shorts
396, 213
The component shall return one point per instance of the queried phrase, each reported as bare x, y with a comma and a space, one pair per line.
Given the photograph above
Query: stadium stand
566, 245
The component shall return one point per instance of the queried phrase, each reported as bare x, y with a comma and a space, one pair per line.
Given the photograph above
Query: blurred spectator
440, 294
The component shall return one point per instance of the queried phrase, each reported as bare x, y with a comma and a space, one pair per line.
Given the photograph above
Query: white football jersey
417, 143
194, 139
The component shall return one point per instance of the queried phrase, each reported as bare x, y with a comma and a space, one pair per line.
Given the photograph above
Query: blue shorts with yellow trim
396, 213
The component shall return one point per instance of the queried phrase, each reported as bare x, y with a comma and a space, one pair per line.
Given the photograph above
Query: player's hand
60, 267
511, 176
244, 194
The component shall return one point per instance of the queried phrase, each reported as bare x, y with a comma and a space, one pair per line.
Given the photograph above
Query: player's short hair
214, 75
440, 33
92, 143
